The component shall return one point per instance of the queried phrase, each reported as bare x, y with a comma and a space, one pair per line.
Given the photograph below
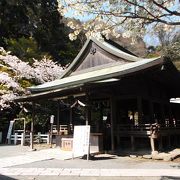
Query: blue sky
151, 40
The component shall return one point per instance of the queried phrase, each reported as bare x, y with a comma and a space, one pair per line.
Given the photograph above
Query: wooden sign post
51, 131
81, 140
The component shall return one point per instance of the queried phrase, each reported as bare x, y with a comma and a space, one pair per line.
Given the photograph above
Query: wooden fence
22, 138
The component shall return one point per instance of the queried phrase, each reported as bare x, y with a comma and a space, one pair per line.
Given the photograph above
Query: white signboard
52, 119
10, 129
81, 140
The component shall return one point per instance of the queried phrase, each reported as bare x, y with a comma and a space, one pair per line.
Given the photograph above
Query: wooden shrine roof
96, 62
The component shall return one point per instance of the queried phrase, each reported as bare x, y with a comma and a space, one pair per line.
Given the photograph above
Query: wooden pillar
175, 140
88, 110
58, 137
113, 106
88, 114
160, 143
32, 126
71, 120
87, 120
162, 114
132, 143
151, 111
58, 117
170, 115
169, 140
139, 106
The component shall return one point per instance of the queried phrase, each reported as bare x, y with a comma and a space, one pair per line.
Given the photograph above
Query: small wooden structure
126, 97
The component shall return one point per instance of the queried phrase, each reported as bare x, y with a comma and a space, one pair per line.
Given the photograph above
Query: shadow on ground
128, 152
96, 158
6, 178
169, 178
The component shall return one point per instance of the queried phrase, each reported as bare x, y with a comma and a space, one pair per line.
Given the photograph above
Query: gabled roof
111, 52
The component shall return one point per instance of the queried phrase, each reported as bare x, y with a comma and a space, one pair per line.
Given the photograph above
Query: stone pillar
152, 144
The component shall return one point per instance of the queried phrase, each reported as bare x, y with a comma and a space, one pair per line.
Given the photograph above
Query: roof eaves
41, 95
101, 74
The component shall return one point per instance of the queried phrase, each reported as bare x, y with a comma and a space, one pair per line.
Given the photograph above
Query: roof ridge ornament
93, 50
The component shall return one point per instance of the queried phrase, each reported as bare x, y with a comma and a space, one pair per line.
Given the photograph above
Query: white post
22, 139
88, 152
48, 139
31, 140
39, 137
15, 138
0, 137
51, 131
9, 140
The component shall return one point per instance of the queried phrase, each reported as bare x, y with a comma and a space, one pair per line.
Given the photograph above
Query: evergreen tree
38, 19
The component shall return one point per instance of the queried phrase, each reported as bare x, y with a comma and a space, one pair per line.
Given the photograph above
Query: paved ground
11, 150
77, 172
103, 161
50, 164
34, 156
82, 178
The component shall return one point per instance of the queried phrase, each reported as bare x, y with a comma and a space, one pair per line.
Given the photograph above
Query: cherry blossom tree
8, 89
13, 72
46, 70
131, 18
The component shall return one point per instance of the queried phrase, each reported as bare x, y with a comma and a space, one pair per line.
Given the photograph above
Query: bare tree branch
166, 9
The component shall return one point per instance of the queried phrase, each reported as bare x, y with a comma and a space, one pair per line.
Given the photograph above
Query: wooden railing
145, 129
170, 129
63, 129
22, 138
